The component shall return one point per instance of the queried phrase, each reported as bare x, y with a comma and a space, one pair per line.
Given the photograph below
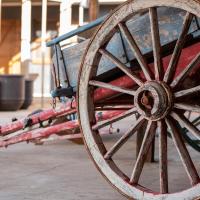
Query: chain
53, 103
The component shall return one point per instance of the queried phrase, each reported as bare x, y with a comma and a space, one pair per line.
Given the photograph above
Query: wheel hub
153, 100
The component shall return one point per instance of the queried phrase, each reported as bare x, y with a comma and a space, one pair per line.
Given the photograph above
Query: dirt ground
62, 170
58, 170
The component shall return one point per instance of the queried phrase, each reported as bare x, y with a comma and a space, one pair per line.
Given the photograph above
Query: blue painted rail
76, 31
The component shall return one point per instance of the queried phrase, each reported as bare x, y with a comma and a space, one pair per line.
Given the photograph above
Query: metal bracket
64, 90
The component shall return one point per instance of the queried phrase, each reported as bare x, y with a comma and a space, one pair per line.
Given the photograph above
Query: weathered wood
72, 58
102, 39
169, 74
158, 65
139, 139
104, 123
73, 55
183, 153
181, 77
147, 141
107, 107
112, 87
122, 66
135, 48
187, 124
162, 129
187, 92
124, 138
187, 107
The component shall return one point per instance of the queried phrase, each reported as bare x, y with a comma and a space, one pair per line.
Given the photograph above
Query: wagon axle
153, 100
147, 100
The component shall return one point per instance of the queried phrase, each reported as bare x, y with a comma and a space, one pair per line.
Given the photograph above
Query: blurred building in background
26, 25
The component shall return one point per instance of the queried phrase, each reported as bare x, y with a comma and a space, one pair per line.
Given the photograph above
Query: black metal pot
28, 94
12, 92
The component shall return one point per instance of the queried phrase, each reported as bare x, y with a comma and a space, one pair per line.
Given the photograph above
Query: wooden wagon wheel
157, 99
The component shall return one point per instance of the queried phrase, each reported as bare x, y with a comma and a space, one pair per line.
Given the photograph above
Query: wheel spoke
124, 138
119, 117
180, 78
183, 153
169, 75
158, 65
147, 141
111, 107
115, 103
111, 87
162, 130
187, 107
121, 66
187, 124
138, 54
187, 92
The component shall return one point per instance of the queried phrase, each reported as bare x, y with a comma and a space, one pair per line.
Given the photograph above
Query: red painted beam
56, 129
36, 118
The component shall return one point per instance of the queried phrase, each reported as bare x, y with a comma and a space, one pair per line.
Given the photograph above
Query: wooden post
81, 15
65, 17
43, 47
0, 17
93, 10
25, 36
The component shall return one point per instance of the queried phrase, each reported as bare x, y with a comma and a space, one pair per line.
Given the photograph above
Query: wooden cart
142, 61
145, 55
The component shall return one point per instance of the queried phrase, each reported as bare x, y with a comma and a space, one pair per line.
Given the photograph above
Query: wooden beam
65, 17
81, 15
93, 10
0, 17
43, 45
